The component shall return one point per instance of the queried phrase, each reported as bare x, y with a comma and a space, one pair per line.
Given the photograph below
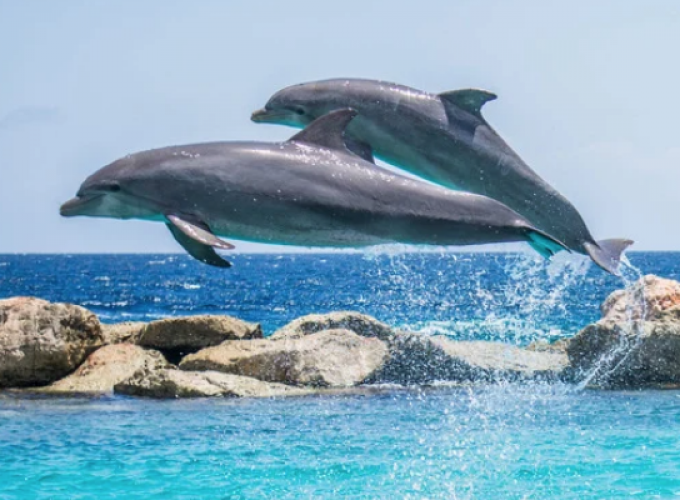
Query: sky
589, 94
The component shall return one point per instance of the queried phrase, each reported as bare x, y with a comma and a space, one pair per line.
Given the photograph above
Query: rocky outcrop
331, 358
417, 359
173, 383
635, 344
621, 349
41, 342
559, 346
361, 324
106, 367
176, 337
647, 299
122, 333
641, 354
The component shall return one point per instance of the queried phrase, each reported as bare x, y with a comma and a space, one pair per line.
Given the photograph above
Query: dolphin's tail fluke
607, 253
544, 244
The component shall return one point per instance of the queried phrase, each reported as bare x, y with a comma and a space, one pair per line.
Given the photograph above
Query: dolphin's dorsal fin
359, 148
470, 100
328, 130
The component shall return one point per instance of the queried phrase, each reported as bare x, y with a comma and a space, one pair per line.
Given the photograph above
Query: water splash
517, 299
632, 330
538, 291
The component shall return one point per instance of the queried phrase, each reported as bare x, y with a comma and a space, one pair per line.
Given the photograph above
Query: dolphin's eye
300, 111
108, 186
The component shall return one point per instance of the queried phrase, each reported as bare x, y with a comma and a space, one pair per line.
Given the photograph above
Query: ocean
503, 441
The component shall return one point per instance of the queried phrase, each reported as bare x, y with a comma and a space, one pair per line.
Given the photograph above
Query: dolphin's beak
78, 205
265, 116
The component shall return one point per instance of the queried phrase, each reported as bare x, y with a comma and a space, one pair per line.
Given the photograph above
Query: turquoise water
504, 442
495, 442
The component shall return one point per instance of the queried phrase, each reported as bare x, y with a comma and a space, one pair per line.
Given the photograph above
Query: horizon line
311, 252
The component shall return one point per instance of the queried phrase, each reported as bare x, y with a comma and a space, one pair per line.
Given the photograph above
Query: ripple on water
502, 441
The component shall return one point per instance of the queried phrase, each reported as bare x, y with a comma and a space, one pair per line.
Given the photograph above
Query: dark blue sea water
494, 442
514, 297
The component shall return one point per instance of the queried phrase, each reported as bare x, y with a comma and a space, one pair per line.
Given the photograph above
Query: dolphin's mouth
78, 205
265, 116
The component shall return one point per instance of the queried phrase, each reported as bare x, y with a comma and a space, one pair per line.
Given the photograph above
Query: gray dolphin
442, 138
309, 191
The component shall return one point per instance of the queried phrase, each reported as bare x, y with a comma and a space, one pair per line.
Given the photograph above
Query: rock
176, 337
41, 342
636, 343
659, 295
173, 383
107, 367
361, 324
332, 358
122, 333
418, 359
620, 354
559, 346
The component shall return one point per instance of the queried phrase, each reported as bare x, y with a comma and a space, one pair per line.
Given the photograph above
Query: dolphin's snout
75, 206
259, 115
265, 115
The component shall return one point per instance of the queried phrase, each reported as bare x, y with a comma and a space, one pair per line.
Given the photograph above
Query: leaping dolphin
442, 138
308, 191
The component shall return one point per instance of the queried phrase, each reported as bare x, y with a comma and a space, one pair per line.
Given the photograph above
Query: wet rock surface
417, 359
622, 349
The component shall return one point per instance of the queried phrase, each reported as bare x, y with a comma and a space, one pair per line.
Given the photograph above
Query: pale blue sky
589, 94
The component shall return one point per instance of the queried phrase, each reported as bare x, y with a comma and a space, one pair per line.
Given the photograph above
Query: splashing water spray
533, 295
630, 337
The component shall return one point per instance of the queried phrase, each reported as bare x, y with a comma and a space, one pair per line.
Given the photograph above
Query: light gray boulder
41, 342
173, 383
176, 337
105, 368
331, 358
122, 333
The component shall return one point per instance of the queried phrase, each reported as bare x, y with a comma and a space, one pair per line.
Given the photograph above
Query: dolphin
308, 191
444, 139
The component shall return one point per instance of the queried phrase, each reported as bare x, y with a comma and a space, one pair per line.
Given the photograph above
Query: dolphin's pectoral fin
199, 231
607, 253
359, 148
196, 238
196, 249
470, 100
328, 131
